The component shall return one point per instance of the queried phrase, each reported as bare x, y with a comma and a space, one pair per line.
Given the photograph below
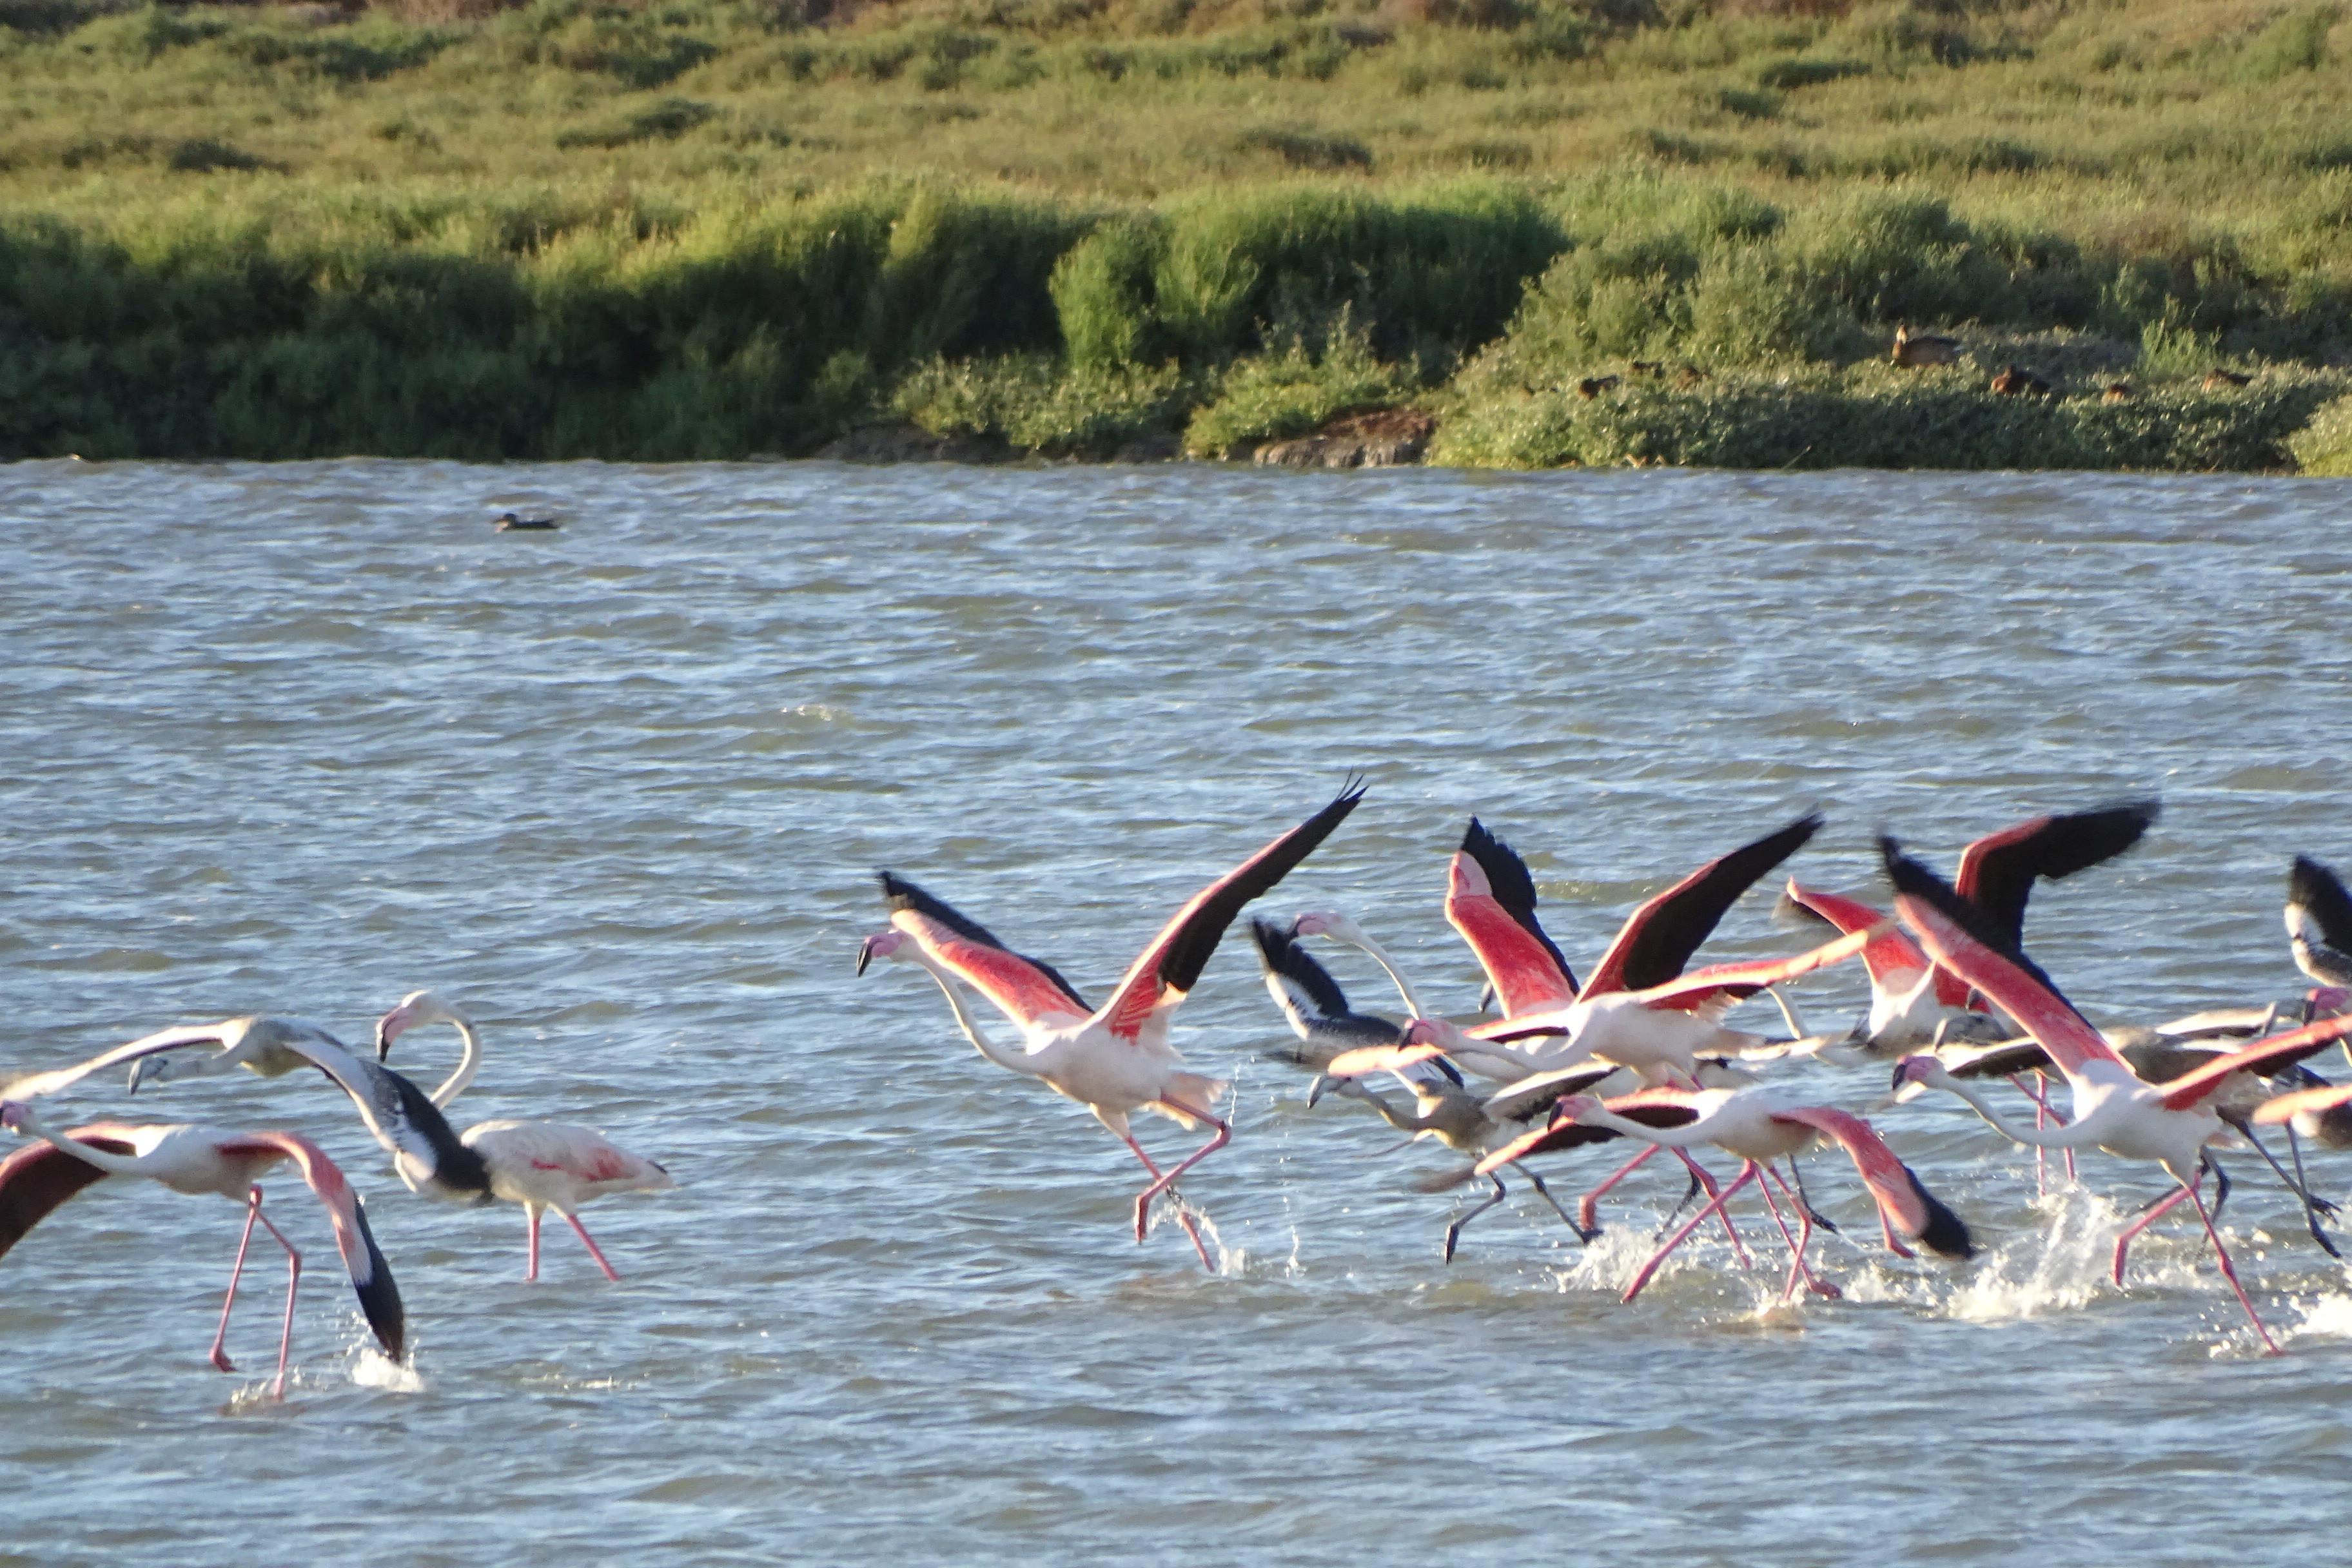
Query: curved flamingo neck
1380, 956
468, 1063
2068, 1136
1017, 1061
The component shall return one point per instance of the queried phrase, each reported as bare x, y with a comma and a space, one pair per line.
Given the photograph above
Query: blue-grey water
302, 738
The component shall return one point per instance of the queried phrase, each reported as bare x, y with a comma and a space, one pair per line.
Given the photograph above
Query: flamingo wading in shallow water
540, 1165
36, 1179
2114, 1107
1115, 1059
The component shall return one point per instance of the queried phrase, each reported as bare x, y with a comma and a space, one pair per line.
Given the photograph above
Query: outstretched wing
2319, 922
2263, 1058
1532, 1096
2286, 1106
1998, 871
1027, 991
1302, 987
1659, 1107
1942, 922
1490, 899
33, 1086
371, 1275
1659, 938
401, 1117
1894, 959
1709, 991
1161, 978
38, 1179
1910, 1209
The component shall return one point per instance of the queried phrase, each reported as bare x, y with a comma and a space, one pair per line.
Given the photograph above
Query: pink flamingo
2114, 1107
1912, 1001
540, 1165
1761, 1125
36, 1179
1115, 1059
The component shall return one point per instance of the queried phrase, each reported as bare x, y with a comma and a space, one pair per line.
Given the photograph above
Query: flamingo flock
1640, 1054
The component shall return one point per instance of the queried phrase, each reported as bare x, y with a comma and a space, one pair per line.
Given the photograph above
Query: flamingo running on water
2114, 1107
1912, 1001
1760, 1124
36, 1179
1115, 1059
540, 1165
1315, 1005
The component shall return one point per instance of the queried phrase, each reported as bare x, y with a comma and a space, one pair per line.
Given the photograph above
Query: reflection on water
305, 738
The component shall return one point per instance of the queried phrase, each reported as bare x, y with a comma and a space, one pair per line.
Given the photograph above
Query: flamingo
2114, 1108
1913, 1002
1116, 1060
1466, 1121
1760, 1124
1312, 1002
427, 1153
37, 1178
539, 1164
1631, 1011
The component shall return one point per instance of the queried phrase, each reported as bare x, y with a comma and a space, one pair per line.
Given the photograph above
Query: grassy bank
709, 229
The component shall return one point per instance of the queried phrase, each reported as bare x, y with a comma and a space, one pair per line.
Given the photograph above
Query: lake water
302, 738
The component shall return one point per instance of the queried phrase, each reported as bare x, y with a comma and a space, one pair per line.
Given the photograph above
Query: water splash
371, 1368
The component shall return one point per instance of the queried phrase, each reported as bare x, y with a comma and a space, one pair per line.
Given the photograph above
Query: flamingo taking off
1760, 1124
36, 1179
1632, 1011
2114, 1108
540, 1165
1911, 1000
1115, 1059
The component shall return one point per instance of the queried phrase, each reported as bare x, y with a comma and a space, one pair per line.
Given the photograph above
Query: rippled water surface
301, 738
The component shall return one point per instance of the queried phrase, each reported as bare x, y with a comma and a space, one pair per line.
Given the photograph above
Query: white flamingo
36, 1179
540, 1165
1760, 1124
1115, 1059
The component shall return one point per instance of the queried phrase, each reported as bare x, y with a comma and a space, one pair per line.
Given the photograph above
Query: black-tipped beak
864, 954
1315, 1091
383, 1045
1899, 1077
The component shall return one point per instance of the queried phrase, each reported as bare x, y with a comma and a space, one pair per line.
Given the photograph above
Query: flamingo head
12, 1114
416, 1007
1327, 923
1426, 1032
1574, 1107
1913, 1075
882, 943
2327, 1001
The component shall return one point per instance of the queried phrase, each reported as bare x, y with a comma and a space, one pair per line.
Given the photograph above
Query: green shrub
2324, 446
1293, 393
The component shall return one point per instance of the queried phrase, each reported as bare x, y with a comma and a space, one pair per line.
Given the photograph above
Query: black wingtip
1945, 1235
379, 1293
1787, 911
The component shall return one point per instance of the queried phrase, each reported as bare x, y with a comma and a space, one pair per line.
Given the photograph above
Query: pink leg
293, 1281
590, 1243
2156, 1211
220, 1338
1714, 1205
530, 1267
2229, 1270
1190, 1228
1159, 1184
1803, 1239
2040, 1116
1739, 1249
1585, 1213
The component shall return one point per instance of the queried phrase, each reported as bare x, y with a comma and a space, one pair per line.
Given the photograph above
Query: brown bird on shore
1594, 385
1917, 348
2018, 382
2218, 379
2117, 392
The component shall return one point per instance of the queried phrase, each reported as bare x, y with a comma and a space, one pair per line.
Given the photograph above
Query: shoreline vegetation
1478, 231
